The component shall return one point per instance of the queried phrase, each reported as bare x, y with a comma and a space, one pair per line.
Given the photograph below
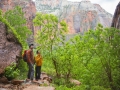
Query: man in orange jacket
30, 62
38, 60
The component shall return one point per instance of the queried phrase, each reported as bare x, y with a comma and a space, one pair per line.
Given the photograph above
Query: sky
108, 5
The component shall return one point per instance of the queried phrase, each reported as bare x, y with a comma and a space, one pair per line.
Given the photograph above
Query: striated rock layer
80, 16
116, 17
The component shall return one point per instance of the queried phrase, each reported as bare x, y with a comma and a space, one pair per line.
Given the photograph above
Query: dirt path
34, 87
43, 84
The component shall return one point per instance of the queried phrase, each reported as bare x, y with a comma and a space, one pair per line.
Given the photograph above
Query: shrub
22, 66
11, 72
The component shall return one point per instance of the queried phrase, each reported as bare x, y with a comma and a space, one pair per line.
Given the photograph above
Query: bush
48, 67
22, 66
99, 88
63, 87
11, 72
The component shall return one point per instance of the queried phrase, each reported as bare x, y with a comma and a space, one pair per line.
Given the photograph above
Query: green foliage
17, 20
11, 72
22, 66
92, 58
2, 19
63, 87
16, 23
82, 87
99, 88
98, 56
48, 67
51, 31
50, 35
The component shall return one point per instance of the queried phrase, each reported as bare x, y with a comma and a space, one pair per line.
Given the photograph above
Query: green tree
98, 53
50, 35
92, 58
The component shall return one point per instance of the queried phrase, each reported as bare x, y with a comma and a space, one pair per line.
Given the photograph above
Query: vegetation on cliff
16, 23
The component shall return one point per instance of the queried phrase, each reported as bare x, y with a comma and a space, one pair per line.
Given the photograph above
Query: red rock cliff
80, 16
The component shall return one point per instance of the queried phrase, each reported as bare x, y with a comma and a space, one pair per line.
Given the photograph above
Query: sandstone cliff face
80, 16
116, 17
9, 50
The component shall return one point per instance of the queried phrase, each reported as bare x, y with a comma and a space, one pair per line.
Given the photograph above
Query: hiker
30, 62
38, 60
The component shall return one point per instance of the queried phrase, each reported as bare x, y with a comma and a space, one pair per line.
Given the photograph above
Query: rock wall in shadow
116, 17
10, 50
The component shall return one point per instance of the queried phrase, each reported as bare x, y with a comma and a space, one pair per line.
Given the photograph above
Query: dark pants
37, 72
31, 71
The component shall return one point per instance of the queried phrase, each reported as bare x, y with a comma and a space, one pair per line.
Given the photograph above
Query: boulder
76, 82
3, 80
45, 77
10, 51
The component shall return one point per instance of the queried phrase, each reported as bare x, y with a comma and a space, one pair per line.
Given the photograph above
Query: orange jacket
38, 60
30, 57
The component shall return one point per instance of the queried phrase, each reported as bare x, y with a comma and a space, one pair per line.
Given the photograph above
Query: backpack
25, 56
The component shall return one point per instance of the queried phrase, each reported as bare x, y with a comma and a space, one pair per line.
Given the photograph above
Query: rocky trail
43, 84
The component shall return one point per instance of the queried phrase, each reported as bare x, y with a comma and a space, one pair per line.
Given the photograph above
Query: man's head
31, 46
38, 52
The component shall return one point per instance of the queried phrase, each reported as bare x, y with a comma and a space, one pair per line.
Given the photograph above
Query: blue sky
108, 5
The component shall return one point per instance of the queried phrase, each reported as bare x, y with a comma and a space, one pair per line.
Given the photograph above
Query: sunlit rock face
116, 17
80, 16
